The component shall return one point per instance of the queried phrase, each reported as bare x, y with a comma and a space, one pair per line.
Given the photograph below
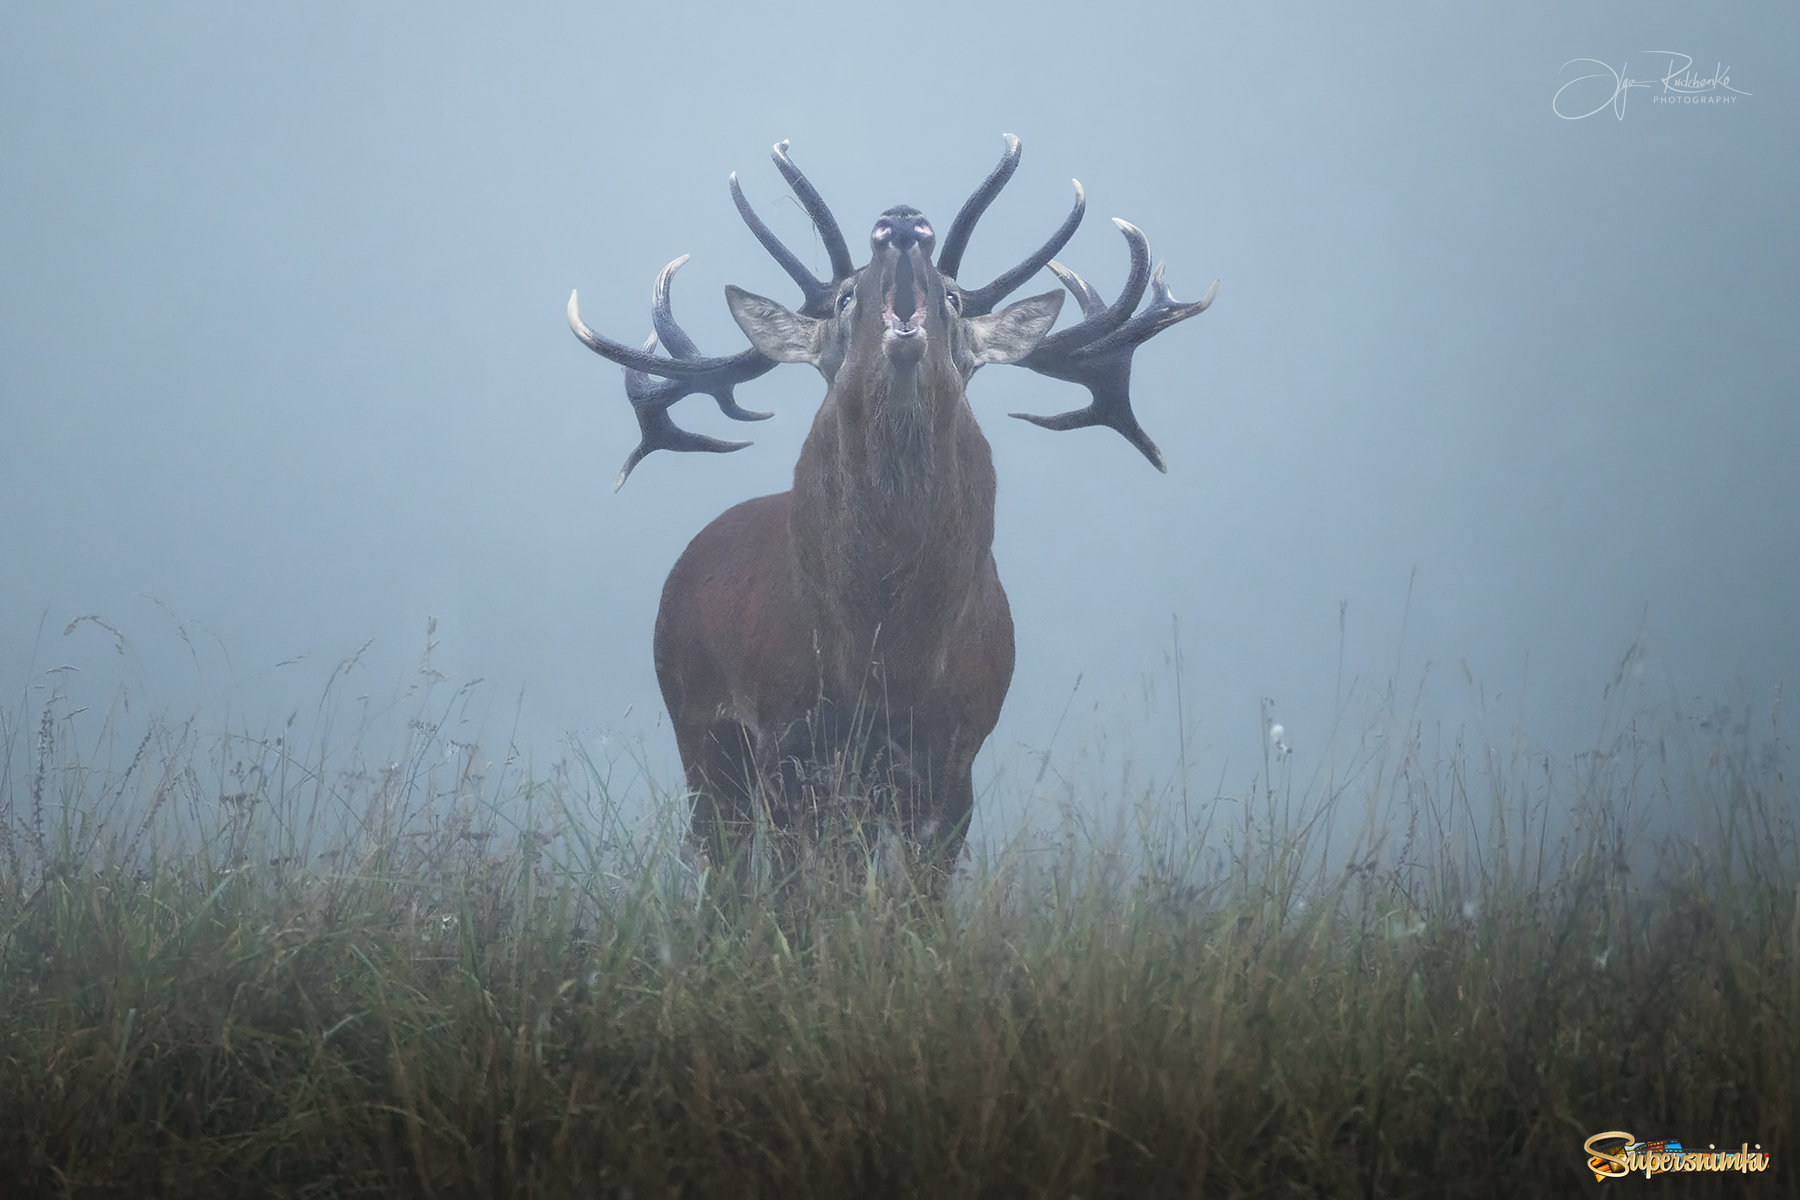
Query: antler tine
680, 345
662, 314
1164, 310
816, 208
1111, 407
817, 292
653, 384
1098, 317
657, 430
950, 256
1097, 353
632, 358
1091, 303
982, 300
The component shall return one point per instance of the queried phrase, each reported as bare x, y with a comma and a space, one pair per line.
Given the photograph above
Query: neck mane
893, 514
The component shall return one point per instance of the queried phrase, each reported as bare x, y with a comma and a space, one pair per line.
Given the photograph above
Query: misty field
232, 966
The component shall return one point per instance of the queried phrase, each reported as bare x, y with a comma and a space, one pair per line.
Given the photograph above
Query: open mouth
904, 302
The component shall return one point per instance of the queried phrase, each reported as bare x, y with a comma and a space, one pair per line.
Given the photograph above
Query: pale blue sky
282, 345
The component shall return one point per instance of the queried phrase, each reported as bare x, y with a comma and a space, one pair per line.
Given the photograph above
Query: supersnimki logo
1617, 1153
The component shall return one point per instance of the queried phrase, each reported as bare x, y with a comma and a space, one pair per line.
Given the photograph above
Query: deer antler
653, 383
1097, 353
818, 292
982, 300
685, 373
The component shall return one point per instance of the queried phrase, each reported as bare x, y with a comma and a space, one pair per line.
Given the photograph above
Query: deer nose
902, 233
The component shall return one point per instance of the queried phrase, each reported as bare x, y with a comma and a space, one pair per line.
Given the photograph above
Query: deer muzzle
902, 241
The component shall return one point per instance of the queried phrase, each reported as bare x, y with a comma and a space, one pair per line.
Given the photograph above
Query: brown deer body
848, 643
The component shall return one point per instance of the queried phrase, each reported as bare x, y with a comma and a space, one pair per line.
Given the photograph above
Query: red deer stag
850, 639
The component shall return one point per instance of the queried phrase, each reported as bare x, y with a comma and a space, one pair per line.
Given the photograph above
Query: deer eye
843, 304
953, 302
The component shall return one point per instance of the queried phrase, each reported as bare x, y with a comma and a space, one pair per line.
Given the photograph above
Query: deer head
904, 298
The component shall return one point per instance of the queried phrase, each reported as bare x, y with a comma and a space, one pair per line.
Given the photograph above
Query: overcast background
284, 368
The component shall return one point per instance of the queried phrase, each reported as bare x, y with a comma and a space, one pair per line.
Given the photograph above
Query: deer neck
893, 515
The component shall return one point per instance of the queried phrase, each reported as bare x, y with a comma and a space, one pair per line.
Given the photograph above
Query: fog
1491, 402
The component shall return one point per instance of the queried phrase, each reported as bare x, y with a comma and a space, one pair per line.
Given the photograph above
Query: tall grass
235, 968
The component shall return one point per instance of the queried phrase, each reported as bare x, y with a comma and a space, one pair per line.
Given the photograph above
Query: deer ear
1009, 335
779, 334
